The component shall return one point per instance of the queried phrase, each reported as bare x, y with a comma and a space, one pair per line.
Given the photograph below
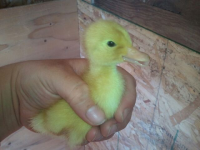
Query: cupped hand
40, 84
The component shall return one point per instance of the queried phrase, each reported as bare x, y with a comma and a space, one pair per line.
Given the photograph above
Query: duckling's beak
136, 57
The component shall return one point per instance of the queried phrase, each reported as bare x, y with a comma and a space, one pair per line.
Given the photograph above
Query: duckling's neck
107, 86
96, 69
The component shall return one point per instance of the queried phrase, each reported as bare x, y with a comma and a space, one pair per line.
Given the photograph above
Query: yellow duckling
107, 44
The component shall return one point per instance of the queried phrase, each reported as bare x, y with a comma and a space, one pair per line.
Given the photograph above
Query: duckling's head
108, 43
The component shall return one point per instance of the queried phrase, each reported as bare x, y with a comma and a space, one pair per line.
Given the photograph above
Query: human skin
28, 87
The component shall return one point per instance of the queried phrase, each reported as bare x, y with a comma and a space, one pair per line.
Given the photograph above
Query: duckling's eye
111, 44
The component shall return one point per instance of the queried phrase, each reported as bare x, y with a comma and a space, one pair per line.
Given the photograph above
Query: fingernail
126, 112
95, 115
113, 129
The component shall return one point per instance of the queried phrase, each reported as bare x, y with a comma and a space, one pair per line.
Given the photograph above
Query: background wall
177, 20
42, 31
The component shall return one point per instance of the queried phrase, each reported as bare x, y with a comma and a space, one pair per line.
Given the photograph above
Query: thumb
75, 91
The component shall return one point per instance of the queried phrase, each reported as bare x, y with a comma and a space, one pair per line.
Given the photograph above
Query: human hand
39, 84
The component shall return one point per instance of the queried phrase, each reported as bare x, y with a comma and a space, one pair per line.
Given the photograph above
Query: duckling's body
106, 43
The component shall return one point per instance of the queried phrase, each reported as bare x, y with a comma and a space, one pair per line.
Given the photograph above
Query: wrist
9, 102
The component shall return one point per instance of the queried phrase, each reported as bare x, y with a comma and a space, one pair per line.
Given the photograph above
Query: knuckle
81, 88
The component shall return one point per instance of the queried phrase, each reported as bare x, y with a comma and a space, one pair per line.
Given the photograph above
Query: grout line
158, 91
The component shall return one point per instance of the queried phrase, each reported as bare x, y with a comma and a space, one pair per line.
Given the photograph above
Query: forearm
9, 104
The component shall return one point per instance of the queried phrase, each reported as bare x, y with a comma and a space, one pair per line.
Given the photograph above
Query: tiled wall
167, 111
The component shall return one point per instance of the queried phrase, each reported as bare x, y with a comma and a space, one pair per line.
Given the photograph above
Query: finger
95, 135
122, 125
128, 100
76, 92
109, 127
79, 65
104, 138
